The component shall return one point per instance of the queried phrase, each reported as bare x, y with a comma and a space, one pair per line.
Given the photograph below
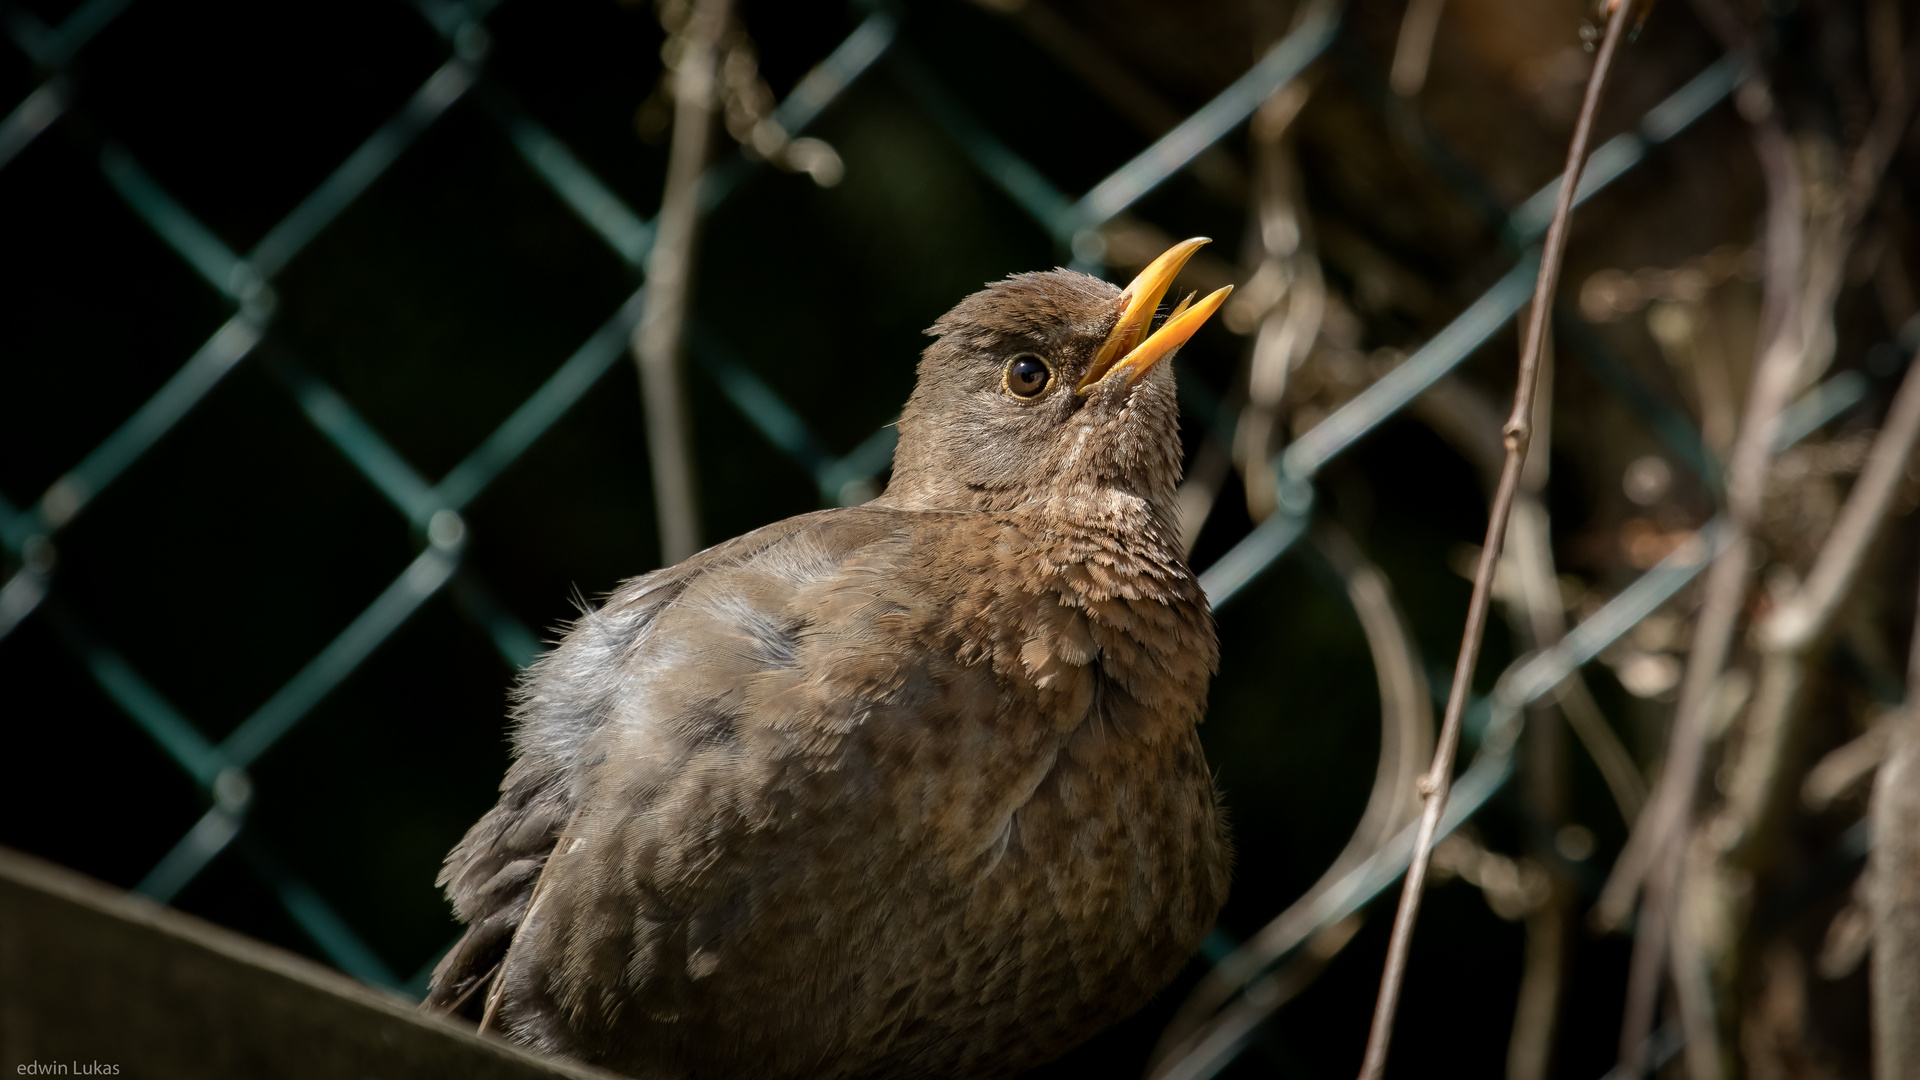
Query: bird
911, 788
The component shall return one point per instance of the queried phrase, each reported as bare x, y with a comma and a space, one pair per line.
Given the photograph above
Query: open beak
1124, 355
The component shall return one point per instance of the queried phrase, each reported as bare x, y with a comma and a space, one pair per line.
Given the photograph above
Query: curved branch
1406, 739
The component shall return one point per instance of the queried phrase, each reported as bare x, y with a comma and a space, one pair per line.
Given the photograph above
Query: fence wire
433, 510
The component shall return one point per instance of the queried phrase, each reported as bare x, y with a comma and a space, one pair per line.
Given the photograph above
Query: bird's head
1050, 393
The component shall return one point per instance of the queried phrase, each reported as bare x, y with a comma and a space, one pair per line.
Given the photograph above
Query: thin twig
1651, 857
1518, 432
1889, 127
1543, 980
1294, 293
1465, 418
1713, 905
1795, 626
659, 340
1802, 281
1413, 52
1727, 580
1285, 281
1609, 754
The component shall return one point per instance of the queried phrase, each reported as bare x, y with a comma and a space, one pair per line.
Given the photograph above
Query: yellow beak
1123, 354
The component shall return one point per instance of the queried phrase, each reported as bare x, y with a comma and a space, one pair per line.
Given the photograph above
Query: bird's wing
630, 718
490, 875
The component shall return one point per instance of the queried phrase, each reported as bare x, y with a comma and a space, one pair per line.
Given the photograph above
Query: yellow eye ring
1026, 377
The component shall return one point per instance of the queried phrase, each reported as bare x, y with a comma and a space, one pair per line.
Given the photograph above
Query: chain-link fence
180, 434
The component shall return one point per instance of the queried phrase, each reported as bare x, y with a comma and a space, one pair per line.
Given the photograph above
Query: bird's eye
1027, 375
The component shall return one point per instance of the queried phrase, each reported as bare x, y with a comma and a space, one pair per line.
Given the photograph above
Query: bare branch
1609, 754
1413, 51
1793, 627
1288, 284
1713, 903
659, 340
1652, 856
1536, 1015
1435, 785
1876, 151
1694, 890
1727, 581
1846, 766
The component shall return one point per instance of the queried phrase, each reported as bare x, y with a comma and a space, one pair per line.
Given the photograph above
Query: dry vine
1517, 433
1694, 913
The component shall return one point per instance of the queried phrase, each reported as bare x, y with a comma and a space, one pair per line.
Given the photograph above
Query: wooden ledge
95, 981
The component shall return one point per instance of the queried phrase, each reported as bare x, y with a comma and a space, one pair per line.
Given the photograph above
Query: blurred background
321, 416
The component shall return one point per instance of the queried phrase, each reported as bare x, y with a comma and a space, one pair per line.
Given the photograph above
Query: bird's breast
1058, 782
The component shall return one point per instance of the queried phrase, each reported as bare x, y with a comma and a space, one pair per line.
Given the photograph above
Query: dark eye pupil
1027, 376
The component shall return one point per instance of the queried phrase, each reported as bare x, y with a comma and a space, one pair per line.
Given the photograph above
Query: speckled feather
906, 789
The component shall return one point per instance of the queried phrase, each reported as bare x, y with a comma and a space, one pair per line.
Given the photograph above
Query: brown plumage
904, 789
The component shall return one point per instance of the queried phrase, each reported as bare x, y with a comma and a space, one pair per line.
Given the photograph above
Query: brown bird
908, 789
